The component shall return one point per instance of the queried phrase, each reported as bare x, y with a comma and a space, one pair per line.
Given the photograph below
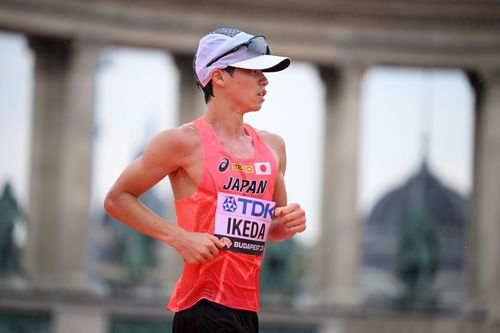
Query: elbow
116, 202
110, 202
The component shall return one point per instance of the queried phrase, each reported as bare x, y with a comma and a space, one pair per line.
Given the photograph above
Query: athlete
228, 183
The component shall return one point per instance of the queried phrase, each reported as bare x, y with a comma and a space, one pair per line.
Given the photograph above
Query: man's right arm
165, 154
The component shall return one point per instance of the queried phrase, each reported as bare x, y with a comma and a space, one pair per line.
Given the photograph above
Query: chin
258, 107
254, 108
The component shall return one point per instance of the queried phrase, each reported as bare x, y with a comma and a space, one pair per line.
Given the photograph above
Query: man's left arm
289, 219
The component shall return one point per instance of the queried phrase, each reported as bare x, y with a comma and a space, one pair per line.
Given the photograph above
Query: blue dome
444, 208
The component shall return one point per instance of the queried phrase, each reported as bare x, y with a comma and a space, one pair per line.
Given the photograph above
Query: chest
253, 176
239, 149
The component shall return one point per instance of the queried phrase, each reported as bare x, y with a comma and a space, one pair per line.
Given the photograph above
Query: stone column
191, 102
339, 249
62, 137
483, 248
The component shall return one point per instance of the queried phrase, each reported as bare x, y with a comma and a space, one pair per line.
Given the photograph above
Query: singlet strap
209, 139
212, 143
260, 144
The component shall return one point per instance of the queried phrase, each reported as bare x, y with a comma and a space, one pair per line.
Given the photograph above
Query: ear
217, 77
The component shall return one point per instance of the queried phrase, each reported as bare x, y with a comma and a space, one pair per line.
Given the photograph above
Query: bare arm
165, 155
289, 218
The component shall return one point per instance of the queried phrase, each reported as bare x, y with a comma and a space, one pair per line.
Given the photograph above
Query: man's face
247, 88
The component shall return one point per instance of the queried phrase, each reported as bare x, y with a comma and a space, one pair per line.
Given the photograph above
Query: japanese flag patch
262, 168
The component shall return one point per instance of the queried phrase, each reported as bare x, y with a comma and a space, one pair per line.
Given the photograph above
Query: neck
225, 121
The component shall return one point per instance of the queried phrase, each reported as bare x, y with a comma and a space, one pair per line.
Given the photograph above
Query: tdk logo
229, 205
249, 207
256, 208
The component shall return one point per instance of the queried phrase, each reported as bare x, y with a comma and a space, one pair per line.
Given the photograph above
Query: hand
292, 218
197, 247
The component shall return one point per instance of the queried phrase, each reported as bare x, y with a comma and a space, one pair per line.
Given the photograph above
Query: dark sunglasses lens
258, 45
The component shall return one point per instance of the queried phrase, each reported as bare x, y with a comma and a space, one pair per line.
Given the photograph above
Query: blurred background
390, 112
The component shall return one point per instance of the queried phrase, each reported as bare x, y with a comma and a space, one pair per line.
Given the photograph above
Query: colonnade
63, 112
340, 37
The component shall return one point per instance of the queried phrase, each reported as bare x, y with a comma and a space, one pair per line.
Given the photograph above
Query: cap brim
266, 63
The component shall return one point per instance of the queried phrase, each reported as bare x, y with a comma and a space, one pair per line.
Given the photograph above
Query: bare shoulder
277, 145
179, 143
185, 137
273, 140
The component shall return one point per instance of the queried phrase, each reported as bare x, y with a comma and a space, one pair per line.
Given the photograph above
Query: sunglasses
257, 44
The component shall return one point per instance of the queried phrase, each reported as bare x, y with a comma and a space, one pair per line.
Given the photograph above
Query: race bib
242, 223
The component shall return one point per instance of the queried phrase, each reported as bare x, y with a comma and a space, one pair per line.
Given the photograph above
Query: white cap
223, 40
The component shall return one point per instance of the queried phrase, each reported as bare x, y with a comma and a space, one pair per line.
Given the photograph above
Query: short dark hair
208, 90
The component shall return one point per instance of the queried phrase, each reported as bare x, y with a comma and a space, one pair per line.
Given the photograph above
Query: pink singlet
233, 202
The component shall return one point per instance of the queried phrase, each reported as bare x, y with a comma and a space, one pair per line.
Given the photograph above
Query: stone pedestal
80, 319
63, 110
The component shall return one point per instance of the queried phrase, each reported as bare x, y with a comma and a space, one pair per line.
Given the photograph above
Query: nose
263, 81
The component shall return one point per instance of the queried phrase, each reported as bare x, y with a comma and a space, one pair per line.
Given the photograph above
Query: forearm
126, 208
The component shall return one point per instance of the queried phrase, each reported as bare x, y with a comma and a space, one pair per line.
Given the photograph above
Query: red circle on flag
263, 168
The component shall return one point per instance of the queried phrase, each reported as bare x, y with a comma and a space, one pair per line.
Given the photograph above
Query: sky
136, 97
